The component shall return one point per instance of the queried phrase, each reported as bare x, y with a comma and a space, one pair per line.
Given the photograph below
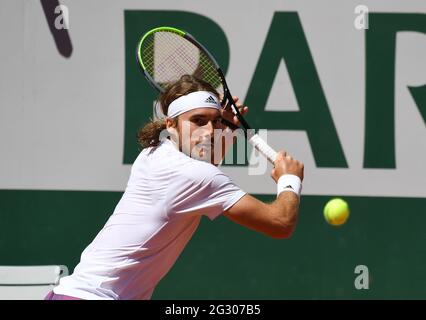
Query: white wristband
289, 182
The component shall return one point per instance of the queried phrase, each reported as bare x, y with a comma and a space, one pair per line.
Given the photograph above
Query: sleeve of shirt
205, 190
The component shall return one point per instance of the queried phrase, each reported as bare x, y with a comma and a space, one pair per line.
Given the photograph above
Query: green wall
226, 261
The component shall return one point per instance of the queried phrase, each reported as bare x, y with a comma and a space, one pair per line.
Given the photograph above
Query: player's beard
204, 150
200, 147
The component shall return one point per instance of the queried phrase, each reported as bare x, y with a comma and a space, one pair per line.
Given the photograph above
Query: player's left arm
229, 117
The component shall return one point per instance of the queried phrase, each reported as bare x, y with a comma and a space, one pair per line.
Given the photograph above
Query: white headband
193, 100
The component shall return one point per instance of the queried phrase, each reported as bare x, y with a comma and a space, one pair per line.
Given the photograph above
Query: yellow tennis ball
336, 211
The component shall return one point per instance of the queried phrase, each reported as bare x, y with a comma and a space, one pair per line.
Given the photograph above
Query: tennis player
168, 192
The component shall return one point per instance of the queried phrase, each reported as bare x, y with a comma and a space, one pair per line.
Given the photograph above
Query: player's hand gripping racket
165, 54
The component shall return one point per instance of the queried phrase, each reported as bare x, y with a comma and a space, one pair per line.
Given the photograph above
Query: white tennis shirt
166, 195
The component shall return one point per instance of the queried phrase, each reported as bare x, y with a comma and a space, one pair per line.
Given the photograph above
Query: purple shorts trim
53, 296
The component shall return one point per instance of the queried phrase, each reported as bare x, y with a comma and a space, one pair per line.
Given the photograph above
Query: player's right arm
277, 219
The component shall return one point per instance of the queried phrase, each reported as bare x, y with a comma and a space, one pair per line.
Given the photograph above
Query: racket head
165, 54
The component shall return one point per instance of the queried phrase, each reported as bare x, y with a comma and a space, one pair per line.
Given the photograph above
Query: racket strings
148, 54
168, 56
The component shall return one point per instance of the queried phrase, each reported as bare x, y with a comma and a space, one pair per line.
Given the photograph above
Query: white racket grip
263, 147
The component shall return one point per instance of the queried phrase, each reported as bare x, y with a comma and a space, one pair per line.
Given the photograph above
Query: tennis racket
165, 54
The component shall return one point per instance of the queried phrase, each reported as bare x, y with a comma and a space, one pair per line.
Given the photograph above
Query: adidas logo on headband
210, 99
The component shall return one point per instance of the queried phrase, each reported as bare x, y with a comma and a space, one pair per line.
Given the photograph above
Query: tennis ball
336, 211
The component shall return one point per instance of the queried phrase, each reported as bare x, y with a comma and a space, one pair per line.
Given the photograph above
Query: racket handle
263, 147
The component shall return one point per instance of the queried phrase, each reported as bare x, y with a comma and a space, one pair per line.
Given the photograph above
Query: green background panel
226, 261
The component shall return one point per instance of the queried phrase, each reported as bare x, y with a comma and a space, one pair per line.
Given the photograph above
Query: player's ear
171, 123
171, 126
